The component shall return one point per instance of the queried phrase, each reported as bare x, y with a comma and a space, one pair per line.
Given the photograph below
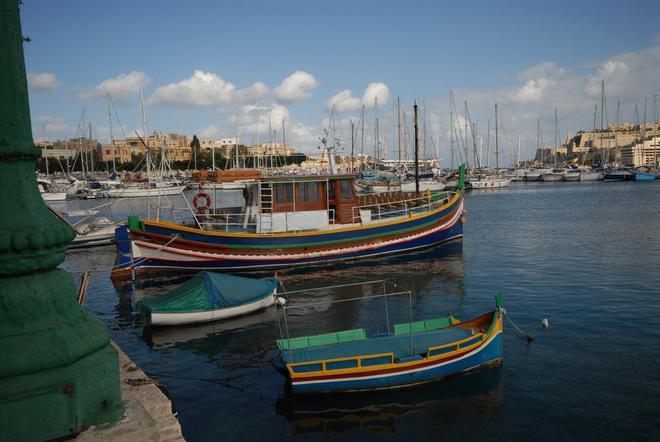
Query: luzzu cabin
320, 202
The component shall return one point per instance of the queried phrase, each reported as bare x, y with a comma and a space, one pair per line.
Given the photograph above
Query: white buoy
545, 323
281, 300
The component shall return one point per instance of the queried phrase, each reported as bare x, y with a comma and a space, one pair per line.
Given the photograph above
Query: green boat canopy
209, 291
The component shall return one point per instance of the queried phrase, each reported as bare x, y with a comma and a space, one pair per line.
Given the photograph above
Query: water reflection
435, 278
435, 404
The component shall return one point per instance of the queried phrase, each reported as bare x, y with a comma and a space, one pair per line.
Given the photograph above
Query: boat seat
324, 339
428, 325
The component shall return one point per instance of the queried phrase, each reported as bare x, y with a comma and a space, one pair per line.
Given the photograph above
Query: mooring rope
528, 337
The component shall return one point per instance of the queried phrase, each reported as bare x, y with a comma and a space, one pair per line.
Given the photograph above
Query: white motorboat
489, 182
553, 175
571, 175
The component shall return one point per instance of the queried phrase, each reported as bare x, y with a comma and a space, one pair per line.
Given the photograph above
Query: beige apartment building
176, 145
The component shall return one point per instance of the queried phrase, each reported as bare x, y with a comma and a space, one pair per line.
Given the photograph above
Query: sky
222, 69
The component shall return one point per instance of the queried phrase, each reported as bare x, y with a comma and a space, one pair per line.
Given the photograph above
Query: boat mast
554, 163
593, 146
416, 150
352, 145
91, 152
451, 131
362, 140
644, 129
376, 140
602, 118
497, 145
398, 120
538, 140
112, 144
488, 145
655, 122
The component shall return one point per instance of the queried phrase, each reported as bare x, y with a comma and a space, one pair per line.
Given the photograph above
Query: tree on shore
194, 145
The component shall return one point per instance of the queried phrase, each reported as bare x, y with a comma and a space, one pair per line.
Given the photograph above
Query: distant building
223, 146
122, 152
271, 149
124, 149
616, 135
646, 153
175, 145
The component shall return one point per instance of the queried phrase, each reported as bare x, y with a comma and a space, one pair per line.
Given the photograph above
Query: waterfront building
271, 149
122, 152
646, 153
223, 146
176, 145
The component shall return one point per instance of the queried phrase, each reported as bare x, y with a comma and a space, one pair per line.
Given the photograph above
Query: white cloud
344, 101
42, 81
121, 88
52, 126
296, 87
211, 131
373, 91
533, 90
546, 69
255, 117
251, 119
205, 89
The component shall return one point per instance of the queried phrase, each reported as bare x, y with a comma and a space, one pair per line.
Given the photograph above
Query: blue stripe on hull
490, 353
456, 231
301, 241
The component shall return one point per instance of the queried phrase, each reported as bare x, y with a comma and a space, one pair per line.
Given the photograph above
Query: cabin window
346, 187
331, 190
308, 191
284, 193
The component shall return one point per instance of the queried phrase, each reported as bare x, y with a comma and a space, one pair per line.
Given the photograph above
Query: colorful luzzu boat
295, 221
417, 352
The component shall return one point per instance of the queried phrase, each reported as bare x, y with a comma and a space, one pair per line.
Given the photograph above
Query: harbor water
586, 256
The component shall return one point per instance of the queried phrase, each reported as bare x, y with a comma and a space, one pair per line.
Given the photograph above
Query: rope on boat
528, 337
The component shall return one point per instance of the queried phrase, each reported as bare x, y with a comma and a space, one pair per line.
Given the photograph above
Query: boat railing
225, 222
446, 349
328, 365
383, 206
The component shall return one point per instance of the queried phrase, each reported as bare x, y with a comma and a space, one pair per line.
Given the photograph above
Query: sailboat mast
538, 138
593, 146
555, 153
451, 131
144, 132
112, 144
362, 140
497, 144
283, 138
91, 152
416, 150
352, 145
398, 120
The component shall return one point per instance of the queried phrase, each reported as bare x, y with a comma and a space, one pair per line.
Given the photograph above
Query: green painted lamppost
58, 372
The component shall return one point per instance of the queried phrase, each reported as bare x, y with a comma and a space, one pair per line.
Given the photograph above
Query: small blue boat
416, 352
643, 176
